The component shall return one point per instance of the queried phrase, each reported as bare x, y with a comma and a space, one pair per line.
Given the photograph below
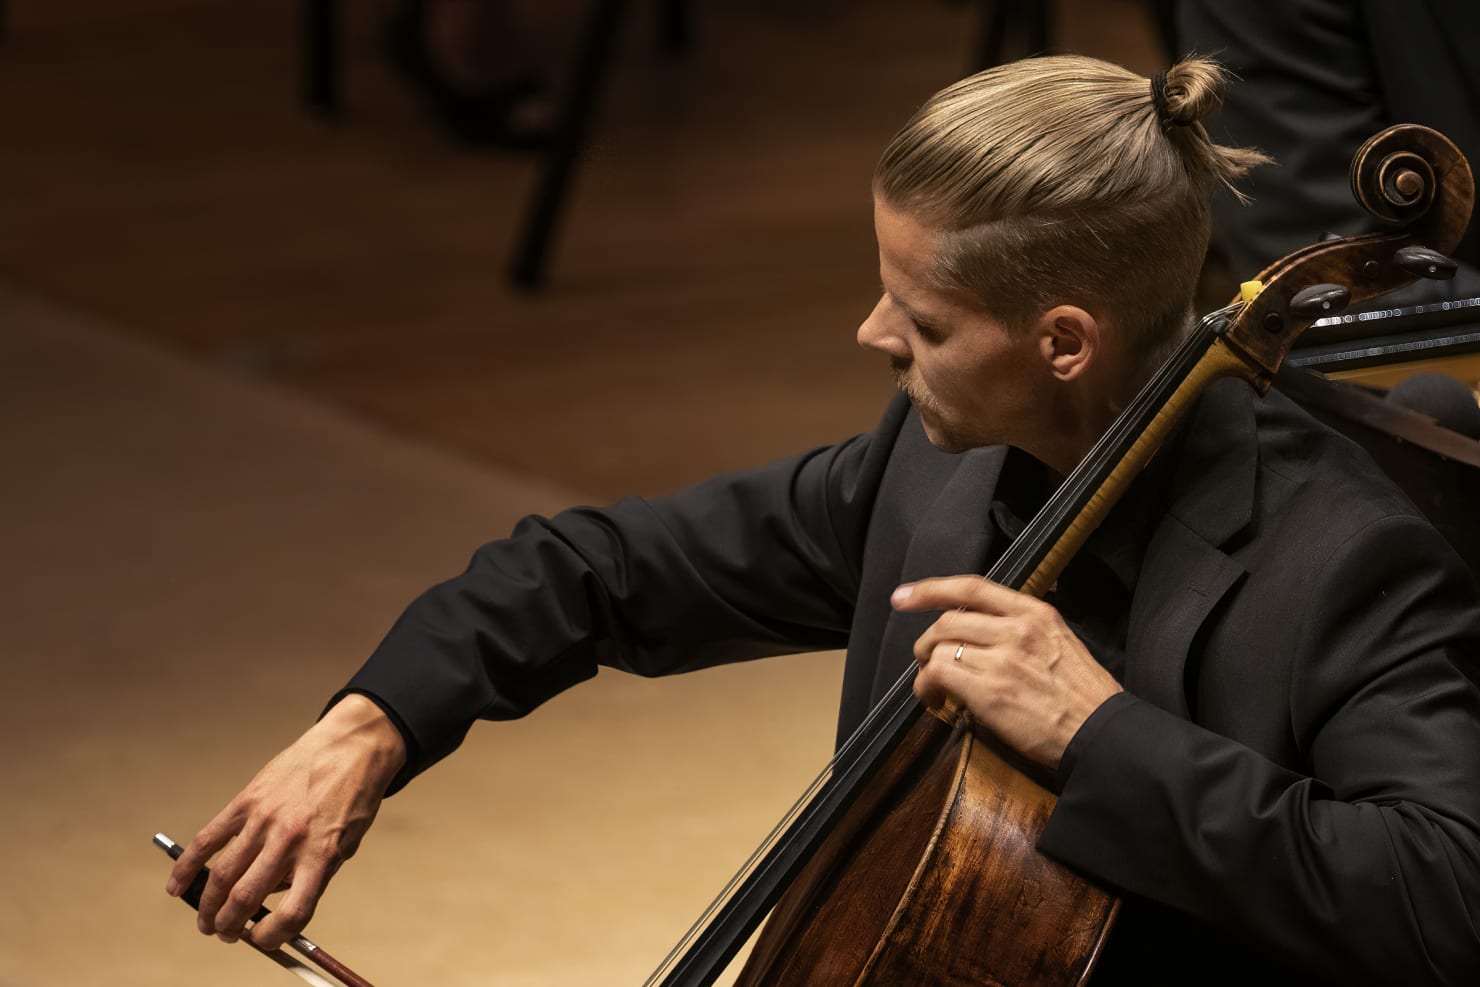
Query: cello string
798, 809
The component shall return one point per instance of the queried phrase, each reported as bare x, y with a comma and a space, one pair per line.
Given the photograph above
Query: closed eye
927, 333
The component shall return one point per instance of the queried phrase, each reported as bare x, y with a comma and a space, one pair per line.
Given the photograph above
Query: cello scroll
1409, 177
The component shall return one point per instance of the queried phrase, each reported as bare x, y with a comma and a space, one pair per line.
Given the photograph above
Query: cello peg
1319, 301
1422, 262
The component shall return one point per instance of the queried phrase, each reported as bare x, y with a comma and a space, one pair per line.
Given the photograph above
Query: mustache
900, 370
919, 396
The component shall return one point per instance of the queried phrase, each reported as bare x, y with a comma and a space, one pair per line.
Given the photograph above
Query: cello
911, 859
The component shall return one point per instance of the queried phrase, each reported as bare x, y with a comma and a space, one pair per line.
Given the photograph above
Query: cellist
1250, 687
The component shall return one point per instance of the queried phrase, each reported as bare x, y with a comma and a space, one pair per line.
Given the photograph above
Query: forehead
904, 242
906, 257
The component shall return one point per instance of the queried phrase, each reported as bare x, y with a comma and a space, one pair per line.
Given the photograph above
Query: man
1253, 702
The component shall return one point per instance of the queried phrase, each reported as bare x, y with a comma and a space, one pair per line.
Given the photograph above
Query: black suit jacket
1287, 788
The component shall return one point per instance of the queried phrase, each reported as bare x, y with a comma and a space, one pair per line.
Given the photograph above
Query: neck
1084, 412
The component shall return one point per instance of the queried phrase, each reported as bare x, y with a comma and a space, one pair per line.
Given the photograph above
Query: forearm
754, 563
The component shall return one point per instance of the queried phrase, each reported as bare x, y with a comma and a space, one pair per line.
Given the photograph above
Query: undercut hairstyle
1063, 180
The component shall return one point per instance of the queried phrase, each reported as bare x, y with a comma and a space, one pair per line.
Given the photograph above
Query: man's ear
1068, 340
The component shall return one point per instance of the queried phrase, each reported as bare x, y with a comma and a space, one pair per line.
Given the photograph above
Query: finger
945, 679
225, 872
950, 651
212, 837
250, 890
296, 908
956, 627
951, 592
938, 650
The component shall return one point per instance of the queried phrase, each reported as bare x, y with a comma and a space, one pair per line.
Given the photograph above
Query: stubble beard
937, 425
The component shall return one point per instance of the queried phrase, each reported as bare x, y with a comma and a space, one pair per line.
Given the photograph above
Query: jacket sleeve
748, 564
1366, 865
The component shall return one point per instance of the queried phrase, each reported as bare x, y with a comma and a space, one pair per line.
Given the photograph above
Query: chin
944, 439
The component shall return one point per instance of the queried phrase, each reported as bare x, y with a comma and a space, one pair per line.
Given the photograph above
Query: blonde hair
1060, 180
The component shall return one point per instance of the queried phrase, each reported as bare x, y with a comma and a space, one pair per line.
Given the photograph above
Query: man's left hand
1009, 659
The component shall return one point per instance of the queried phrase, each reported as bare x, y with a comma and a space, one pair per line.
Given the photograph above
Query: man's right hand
299, 819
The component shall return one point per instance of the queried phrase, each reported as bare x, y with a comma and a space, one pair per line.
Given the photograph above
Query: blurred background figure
1441, 398
1317, 78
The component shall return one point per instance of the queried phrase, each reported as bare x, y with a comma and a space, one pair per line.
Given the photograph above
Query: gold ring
960, 648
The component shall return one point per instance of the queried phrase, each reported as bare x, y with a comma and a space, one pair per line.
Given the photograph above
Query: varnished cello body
969, 903
915, 862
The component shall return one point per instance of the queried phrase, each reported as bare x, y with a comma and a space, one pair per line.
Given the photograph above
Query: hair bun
1193, 89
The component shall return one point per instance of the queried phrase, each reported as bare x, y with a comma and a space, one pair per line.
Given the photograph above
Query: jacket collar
1217, 452
954, 535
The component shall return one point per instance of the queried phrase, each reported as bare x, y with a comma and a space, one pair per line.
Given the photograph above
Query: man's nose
877, 333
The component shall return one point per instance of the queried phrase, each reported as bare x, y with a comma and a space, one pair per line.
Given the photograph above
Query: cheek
960, 391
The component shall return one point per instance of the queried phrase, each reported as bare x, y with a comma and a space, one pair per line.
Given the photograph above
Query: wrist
1072, 722
356, 720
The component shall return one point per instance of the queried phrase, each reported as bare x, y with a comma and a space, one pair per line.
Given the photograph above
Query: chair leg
675, 26
1039, 15
532, 248
999, 18
1164, 16
319, 24
992, 34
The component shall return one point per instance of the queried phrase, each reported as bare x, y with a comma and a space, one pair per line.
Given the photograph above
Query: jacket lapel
1185, 571
955, 535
